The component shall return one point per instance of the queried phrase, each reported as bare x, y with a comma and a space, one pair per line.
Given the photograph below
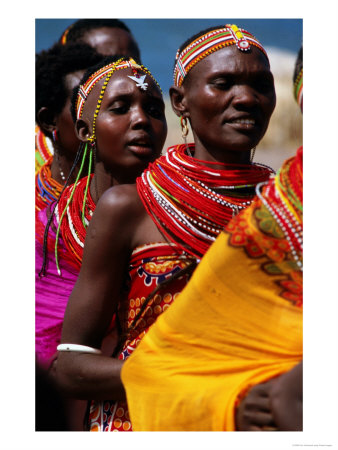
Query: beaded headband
209, 43
298, 89
63, 38
107, 71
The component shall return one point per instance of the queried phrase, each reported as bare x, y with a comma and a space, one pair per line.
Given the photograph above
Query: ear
46, 121
178, 101
83, 129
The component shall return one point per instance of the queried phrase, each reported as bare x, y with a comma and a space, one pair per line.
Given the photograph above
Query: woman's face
131, 126
230, 97
112, 41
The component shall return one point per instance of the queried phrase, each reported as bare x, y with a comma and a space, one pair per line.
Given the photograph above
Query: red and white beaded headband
85, 88
107, 71
209, 43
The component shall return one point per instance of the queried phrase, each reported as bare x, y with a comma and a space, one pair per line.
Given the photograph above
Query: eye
221, 83
155, 109
119, 107
264, 84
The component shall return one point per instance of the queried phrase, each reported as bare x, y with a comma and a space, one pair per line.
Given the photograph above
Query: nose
139, 117
245, 96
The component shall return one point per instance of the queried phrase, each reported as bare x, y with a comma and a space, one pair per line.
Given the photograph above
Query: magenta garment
51, 295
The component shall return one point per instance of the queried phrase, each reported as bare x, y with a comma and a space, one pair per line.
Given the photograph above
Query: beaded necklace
75, 222
178, 192
47, 190
43, 148
283, 197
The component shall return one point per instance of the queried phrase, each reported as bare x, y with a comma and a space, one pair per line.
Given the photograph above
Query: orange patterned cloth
150, 265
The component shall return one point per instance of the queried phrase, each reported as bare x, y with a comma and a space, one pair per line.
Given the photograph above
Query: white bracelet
77, 348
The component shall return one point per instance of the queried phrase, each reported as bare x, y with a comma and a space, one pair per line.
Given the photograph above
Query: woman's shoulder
119, 203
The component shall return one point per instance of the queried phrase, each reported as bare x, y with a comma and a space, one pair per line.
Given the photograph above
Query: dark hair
298, 65
52, 66
103, 62
77, 29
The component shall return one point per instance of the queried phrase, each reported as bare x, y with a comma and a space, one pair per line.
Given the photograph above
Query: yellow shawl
237, 323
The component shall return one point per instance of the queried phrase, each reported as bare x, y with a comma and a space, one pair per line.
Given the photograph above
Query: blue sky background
159, 39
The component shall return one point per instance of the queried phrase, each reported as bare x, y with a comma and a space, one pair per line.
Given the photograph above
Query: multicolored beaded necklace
47, 190
179, 193
74, 225
43, 148
283, 197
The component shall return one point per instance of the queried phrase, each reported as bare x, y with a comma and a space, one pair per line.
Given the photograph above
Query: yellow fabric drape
237, 323
229, 329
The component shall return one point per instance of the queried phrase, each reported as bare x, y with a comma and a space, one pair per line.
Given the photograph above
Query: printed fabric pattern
261, 236
150, 265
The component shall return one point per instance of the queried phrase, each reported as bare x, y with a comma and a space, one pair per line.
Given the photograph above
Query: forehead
231, 60
120, 85
110, 41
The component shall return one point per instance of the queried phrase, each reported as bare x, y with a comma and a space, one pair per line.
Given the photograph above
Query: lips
243, 123
141, 145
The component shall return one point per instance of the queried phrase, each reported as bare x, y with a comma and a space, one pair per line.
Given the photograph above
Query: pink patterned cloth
51, 293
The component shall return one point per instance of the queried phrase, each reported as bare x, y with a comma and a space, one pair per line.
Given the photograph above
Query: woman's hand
276, 405
254, 412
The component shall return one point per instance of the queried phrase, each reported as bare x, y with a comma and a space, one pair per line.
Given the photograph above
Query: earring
185, 131
55, 136
184, 128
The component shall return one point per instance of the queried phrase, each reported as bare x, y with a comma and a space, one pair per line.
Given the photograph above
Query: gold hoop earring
184, 128
185, 131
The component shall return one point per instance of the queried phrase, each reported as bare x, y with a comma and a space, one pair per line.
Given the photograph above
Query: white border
17, 224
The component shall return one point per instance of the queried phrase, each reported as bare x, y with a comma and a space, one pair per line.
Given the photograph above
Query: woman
122, 128
278, 403
107, 37
58, 72
166, 222
237, 324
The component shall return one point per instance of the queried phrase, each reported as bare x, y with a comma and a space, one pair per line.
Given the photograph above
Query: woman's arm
95, 297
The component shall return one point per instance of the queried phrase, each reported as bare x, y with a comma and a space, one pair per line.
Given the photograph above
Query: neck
60, 168
102, 180
222, 156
